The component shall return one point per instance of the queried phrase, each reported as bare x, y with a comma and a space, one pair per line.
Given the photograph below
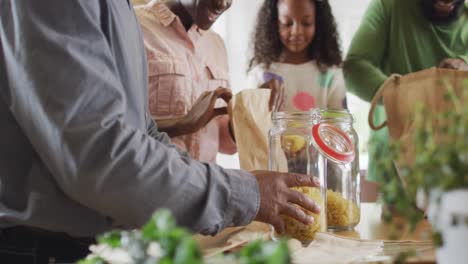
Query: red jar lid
333, 143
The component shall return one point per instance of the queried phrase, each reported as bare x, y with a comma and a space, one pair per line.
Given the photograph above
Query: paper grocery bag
251, 120
401, 95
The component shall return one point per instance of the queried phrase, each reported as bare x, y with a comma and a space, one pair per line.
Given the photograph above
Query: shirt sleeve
65, 93
362, 68
337, 96
162, 136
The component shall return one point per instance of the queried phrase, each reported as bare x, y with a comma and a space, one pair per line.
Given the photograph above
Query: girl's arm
259, 78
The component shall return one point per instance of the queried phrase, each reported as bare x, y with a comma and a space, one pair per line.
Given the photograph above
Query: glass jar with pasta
291, 150
342, 176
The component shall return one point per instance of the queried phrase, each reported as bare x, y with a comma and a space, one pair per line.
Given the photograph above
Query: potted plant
435, 184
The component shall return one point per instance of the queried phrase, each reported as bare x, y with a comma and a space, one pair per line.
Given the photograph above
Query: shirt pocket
217, 77
168, 89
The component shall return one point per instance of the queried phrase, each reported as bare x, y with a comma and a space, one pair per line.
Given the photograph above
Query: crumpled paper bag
326, 248
251, 121
329, 248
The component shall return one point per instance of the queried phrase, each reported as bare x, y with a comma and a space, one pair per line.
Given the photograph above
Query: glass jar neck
311, 117
335, 116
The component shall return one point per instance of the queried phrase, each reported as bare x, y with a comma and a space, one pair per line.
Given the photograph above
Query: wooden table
371, 227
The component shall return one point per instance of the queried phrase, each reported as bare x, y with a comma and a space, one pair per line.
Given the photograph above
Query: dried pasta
341, 212
298, 230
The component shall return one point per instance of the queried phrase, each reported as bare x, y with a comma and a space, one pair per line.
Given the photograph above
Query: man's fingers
277, 223
303, 201
298, 180
297, 213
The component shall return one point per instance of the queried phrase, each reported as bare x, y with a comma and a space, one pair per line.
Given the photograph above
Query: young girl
296, 43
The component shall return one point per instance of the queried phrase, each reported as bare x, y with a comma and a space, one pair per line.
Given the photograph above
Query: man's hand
455, 64
203, 110
276, 198
277, 94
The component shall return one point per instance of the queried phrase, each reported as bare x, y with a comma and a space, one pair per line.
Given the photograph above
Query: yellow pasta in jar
341, 212
299, 231
293, 143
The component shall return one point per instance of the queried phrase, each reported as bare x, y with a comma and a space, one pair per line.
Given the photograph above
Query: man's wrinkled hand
277, 199
455, 64
277, 94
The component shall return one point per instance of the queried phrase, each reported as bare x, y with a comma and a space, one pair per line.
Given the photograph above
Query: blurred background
236, 27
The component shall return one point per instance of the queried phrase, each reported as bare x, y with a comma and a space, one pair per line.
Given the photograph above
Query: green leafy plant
175, 245
440, 159
259, 252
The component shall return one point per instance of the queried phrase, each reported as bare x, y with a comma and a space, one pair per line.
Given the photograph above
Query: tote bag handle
376, 99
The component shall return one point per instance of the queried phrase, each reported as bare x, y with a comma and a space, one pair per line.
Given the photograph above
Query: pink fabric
182, 65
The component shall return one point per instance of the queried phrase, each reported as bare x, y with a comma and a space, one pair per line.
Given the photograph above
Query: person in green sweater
403, 36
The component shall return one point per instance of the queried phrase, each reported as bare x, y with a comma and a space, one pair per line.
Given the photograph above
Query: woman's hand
277, 94
203, 110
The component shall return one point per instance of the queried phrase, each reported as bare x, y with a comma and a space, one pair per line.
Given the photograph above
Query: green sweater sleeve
362, 68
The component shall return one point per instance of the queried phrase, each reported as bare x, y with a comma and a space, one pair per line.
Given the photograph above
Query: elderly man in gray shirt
78, 153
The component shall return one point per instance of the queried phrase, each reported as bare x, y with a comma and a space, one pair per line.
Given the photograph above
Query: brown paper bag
251, 120
401, 95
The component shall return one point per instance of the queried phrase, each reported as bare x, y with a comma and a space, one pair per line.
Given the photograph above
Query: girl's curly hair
324, 48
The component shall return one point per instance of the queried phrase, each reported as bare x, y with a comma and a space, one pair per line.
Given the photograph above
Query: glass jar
343, 178
291, 150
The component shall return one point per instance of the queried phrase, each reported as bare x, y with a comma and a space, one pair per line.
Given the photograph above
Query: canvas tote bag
401, 94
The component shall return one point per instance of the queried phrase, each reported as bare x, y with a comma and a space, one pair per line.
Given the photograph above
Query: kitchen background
236, 28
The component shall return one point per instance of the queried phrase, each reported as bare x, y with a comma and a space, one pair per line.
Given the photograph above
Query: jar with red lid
316, 144
338, 142
291, 150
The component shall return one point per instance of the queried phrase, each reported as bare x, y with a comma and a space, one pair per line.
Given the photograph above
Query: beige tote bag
401, 94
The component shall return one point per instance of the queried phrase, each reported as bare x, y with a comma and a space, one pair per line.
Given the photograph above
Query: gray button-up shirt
78, 153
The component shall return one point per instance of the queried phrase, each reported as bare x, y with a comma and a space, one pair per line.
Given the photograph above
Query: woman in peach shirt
187, 72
